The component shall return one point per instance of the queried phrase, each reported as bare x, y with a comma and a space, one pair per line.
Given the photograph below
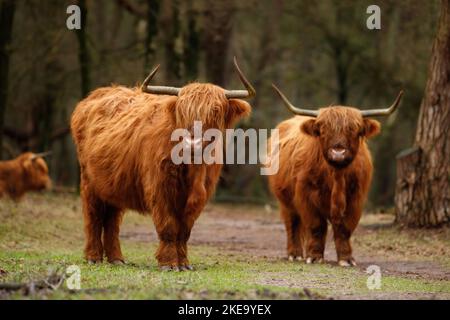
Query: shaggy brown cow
325, 174
123, 138
27, 172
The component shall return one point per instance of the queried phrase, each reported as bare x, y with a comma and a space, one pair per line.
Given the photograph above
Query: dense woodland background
319, 53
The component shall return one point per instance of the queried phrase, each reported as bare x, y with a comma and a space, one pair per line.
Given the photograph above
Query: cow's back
115, 131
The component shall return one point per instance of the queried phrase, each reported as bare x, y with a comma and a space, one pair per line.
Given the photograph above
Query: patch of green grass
215, 276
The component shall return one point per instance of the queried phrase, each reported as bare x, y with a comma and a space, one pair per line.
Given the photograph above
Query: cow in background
123, 139
27, 172
325, 173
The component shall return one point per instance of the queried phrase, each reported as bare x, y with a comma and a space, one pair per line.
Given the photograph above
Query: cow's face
213, 106
340, 131
208, 105
36, 173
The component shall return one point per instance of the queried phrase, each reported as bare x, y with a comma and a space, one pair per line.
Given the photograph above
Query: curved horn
40, 155
173, 91
383, 112
241, 94
292, 108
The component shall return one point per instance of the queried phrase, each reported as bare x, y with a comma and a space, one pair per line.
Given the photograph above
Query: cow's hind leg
93, 225
111, 227
292, 223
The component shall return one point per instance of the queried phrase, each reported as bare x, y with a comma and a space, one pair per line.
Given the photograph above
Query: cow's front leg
182, 250
194, 206
172, 250
343, 247
167, 228
195, 203
316, 234
292, 223
342, 234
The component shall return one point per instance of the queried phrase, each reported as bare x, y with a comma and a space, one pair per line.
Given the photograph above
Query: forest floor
238, 252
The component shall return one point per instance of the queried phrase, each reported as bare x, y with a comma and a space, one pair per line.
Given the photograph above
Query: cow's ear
310, 127
371, 128
237, 109
170, 105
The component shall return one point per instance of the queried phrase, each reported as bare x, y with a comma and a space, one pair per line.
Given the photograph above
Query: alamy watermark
73, 21
374, 280
73, 275
240, 147
373, 22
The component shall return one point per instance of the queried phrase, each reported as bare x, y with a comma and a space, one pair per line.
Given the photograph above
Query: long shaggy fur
23, 174
123, 142
311, 192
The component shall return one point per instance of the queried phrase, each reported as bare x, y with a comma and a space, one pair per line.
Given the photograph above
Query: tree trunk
217, 34
423, 173
191, 50
7, 10
83, 53
151, 32
170, 23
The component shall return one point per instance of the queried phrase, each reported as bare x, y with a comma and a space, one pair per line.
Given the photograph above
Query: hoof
165, 268
187, 268
311, 260
294, 258
117, 262
347, 263
176, 268
93, 261
169, 268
